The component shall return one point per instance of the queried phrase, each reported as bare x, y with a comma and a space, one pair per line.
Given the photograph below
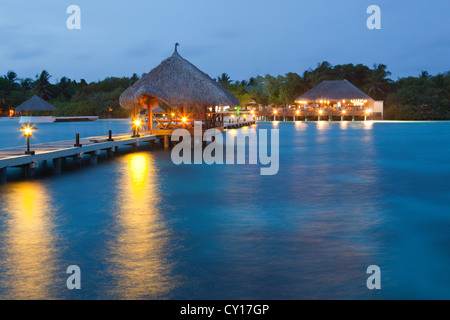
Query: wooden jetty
59, 150
56, 151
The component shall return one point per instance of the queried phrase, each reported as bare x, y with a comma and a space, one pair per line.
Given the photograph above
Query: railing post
77, 141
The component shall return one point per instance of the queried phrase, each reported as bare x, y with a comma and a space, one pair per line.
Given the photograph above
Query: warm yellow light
232, 115
173, 114
320, 111
137, 123
184, 119
321, 101
368, 111
164, 115
343, 111
28, 132
343, 101
357, 102
297, 112
275, 111
252, 112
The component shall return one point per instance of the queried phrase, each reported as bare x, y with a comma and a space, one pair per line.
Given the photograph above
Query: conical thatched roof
334, 90
178, 83
35, 104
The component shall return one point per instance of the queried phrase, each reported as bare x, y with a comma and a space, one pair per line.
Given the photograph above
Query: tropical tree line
70, 97
411, 98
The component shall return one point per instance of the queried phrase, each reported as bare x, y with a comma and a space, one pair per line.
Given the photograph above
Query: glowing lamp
184, 119
27, 130
137, 124
320, 111
297, 112
275, 111
368, 111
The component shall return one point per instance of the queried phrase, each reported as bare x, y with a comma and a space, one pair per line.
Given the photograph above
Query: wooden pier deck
92, 146
239, 124
56, 151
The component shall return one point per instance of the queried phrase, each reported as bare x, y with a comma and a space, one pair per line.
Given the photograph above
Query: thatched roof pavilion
35, 103
333, 90
178, 83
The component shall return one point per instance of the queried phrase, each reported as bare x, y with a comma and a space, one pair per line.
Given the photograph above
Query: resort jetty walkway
60, 150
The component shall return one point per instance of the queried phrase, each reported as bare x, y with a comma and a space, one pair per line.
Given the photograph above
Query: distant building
339, 95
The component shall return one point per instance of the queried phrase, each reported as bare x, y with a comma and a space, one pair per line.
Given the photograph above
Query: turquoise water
347, 195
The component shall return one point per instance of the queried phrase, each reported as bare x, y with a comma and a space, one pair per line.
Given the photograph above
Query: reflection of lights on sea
29, 257
368, 125
140, 252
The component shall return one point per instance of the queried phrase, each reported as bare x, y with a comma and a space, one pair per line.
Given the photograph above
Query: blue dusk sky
243, 38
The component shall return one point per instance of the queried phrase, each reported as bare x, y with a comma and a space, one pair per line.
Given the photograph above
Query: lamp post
28, 132
136, 125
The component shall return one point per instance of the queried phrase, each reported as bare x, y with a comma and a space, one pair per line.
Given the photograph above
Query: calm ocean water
347, 195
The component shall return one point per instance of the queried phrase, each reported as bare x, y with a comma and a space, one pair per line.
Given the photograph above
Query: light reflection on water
140, 250
347, 195
28, 243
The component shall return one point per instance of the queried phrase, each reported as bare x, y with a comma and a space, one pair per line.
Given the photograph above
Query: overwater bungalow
339, 97
186, 93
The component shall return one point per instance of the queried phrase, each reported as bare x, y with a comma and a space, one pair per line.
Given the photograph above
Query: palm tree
224, 79
43, 86
377, 84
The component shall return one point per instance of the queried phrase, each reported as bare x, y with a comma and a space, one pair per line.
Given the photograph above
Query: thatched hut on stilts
187, 93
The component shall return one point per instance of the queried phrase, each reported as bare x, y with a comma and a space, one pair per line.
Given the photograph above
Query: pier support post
94, 157
318, 118
110, 153
329, 118
77, 160
3, 172
166, 142
342, 118
57, 165
365, 118
353, 118
30, 170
